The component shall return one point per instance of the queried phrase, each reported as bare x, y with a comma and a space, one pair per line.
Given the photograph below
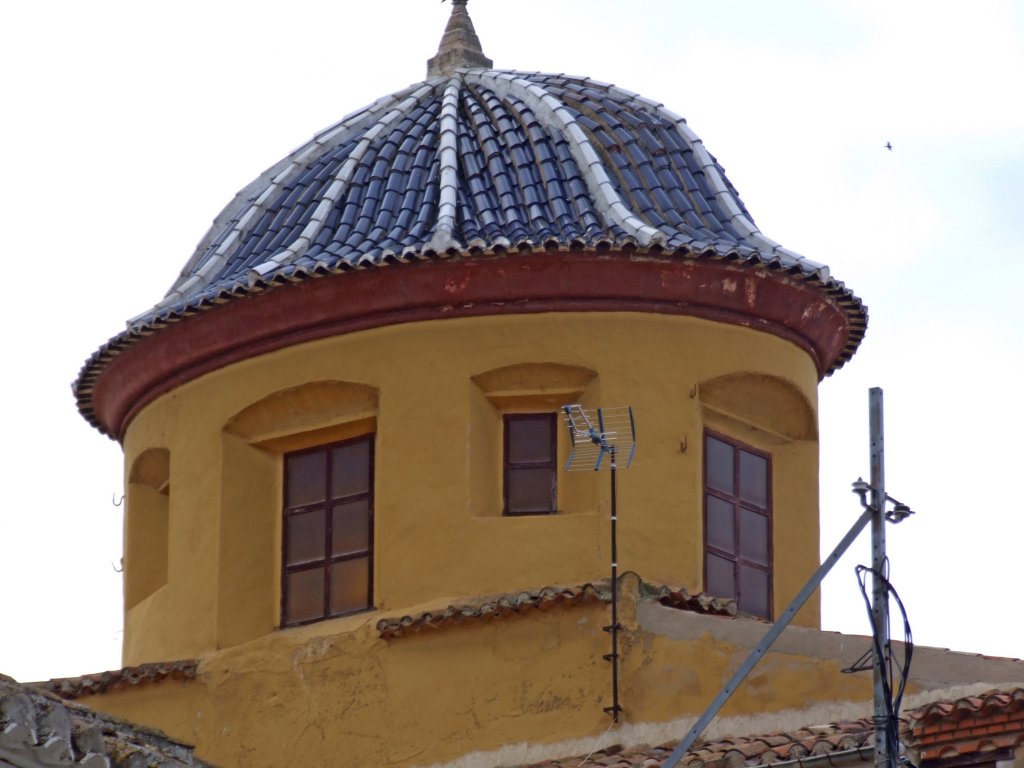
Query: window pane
718, 458
304, 596
530, 490
350, 586
530, 438
721, 577
721, 533
754, 591
350, 527
350, 469
304, 537
754, 479
753, 536
306, 478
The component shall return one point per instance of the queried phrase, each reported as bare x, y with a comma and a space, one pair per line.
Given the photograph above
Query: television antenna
604, 437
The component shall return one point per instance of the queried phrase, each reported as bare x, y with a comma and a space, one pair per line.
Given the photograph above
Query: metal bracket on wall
863, 664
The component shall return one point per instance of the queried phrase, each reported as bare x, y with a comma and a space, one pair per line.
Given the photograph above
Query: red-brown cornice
120, 380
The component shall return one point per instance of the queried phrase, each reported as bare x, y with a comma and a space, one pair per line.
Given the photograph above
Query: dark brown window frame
738, 504
509, 466
328, 560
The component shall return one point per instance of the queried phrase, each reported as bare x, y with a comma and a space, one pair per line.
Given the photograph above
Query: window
328, 532
530, 464
737, 524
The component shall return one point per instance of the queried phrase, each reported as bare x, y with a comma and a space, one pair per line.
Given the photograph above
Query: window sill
344, 623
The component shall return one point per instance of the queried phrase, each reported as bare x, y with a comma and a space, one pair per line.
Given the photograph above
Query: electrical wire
600, 739
891, 677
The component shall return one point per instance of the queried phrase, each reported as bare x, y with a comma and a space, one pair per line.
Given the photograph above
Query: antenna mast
596, 434
879, 594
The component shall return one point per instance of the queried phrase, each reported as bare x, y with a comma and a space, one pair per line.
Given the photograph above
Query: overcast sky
127, 126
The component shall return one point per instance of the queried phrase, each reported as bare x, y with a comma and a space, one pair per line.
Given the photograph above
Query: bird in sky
888, 145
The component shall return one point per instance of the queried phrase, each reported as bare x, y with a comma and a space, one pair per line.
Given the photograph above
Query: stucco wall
439, 532
312, 697
515, 690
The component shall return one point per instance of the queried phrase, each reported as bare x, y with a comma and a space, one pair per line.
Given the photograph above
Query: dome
471, 163
480, 161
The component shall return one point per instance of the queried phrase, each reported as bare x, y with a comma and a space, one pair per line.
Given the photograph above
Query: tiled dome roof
478, 161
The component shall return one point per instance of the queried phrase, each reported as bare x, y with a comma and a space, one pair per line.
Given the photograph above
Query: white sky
127, 126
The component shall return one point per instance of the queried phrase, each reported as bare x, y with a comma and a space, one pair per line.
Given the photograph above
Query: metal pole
613, 657
879, 594
766, 642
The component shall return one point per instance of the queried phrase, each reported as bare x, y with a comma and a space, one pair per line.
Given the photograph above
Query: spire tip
460, 47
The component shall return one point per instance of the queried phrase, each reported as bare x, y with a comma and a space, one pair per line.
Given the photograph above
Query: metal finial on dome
460, 47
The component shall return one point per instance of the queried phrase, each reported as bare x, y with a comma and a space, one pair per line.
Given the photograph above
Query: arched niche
551, 384
758, 414
310, 414
146, 525
524, 388
766, 403
254, 442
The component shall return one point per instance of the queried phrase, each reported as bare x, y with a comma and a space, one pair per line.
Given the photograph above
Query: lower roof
39, 729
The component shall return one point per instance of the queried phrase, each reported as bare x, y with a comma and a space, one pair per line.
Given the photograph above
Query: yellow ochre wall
434, 391
337, 696
203, 539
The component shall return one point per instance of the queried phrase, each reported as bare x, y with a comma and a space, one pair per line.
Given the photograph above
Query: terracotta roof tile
496, 607
988, 704
734, 752
986, 722
699, 603
546, 597
86, 685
